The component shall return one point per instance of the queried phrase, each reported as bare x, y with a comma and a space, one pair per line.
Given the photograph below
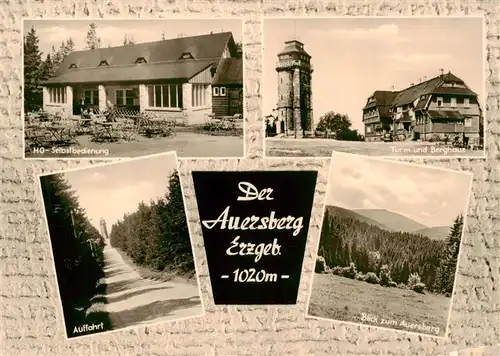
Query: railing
293, 64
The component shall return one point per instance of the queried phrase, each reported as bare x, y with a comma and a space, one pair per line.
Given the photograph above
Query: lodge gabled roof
431, 86
162, 60
230, 71
383, 100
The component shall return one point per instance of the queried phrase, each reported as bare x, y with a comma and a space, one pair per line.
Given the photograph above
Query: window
91, 96
399, 109
439, 101
103, 64
216, 91
165, 96
468, 122
141, 60
125, 97
73, 65
199, 97
368, 129
222, 91
57, 95
453, 102
466, 103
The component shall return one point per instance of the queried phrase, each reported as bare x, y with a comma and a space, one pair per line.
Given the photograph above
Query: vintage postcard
128, 88
389, 244
376, 86
121, 246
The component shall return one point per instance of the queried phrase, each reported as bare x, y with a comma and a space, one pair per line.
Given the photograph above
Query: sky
53, 32
430, 196
110, 191
353, 57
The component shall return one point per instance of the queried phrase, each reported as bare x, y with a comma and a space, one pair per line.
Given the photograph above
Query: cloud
413, 58
361, 183
386, 32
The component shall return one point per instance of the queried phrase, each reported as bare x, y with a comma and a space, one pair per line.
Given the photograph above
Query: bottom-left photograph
121, 247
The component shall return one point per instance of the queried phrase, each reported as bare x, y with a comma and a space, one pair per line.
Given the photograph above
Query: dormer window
104, 64
187, 55
72, 65
141, 60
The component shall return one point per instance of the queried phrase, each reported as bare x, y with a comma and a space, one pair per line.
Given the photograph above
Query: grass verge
173, 274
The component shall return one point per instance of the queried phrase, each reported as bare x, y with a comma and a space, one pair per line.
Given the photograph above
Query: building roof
383, 100
184, 69
161, 55
433, 85
230, 71
445, 114
293, 46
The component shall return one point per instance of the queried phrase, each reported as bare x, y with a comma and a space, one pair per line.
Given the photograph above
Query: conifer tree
91, 40
33, 98
445, 275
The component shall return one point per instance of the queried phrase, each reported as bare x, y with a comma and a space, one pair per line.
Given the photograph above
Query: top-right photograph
376, 86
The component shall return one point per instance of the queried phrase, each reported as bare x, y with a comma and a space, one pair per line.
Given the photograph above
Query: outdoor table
108, 130
60, 133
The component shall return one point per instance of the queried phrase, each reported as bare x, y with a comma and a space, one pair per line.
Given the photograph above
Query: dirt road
133, 300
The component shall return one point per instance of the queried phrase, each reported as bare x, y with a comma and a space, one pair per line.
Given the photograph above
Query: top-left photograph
129, 88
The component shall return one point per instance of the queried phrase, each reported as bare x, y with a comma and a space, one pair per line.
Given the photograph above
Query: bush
321, 265
337, 270
393, 284
360, 276
372, 278
385, 276
350, 272
413, 280
419, 288
402, 286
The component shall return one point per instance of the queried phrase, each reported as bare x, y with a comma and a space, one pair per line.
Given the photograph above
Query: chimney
412, 84
441, 71
392, 88
425, 78
420, 80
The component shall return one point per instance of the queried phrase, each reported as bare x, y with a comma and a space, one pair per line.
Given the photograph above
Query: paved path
133, 300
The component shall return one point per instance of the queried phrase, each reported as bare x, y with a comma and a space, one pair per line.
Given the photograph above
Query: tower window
281, 96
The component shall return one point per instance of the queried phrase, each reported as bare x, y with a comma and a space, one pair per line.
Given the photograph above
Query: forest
346, 241
156, 235
77, 247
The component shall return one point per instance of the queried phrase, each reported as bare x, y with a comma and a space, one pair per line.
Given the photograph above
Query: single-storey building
183, 78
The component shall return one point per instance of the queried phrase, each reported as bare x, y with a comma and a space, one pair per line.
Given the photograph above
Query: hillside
338, 211
346, 239
390, 220
435, 233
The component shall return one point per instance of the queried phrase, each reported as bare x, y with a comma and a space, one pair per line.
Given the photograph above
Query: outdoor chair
127, 129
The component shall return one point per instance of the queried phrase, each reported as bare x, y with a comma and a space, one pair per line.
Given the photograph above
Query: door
235, 101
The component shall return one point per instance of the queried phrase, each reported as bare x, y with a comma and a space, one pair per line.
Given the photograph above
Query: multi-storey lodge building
440, 108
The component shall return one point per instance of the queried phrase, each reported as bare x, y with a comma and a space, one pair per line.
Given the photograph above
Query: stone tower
294, 90
104, 231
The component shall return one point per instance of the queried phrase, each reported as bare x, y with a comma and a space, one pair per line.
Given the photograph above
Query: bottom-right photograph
390, 244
